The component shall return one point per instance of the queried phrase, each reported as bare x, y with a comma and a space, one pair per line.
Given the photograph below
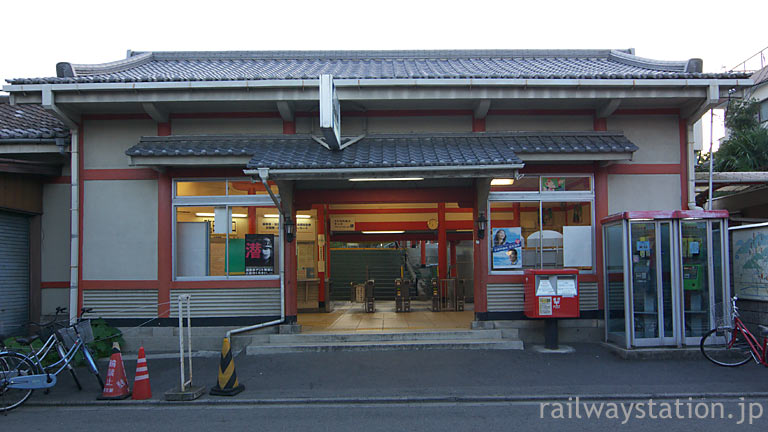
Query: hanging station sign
330, 112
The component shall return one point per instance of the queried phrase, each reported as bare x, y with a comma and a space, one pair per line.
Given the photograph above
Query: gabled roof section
28, 121
446, 64
393, 151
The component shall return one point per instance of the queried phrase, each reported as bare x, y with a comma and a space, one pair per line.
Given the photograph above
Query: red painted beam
120, 174
307, 197
644, 169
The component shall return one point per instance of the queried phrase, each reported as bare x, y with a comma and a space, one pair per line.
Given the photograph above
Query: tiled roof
278, 65
28, 121
760, 76
384, 151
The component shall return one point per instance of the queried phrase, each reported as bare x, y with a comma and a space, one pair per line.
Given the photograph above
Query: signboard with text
259, 254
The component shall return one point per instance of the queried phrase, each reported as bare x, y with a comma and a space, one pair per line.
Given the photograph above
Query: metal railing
760, 56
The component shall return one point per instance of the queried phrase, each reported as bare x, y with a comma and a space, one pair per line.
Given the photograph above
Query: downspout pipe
264, 175
74, 225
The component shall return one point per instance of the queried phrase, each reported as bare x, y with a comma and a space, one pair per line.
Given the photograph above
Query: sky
101, 31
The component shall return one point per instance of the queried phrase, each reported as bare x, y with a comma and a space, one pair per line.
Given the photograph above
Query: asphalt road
423, 417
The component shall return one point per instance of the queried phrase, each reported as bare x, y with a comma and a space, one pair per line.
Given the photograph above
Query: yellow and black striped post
227, 384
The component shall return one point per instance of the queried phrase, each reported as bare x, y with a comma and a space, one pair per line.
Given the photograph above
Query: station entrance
405, 266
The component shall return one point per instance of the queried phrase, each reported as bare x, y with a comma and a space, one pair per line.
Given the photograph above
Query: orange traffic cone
116, 386
141, 388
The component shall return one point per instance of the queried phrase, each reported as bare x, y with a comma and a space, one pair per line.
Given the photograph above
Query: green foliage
104, 335
746, 149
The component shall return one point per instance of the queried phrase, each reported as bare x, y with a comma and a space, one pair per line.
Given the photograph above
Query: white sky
43, 33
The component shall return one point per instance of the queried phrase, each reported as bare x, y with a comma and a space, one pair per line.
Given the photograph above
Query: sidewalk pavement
592, 371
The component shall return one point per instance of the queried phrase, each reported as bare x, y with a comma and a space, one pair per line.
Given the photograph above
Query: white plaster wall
105, 141
643, 192
56, 233
51, 298
379, 125
226, 126
120, 230
496, 123
657, 136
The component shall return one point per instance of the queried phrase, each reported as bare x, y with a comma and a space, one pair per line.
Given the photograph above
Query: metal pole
711, 155
181, 346
189, 333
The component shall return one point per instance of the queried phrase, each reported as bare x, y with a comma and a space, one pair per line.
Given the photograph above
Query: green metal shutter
14, 273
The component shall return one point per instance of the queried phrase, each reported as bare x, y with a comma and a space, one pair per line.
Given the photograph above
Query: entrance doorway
419, 244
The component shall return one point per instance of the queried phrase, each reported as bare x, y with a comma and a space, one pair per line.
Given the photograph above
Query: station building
213, 174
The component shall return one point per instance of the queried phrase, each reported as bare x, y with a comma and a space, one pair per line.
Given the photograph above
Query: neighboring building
33, 149
174, 152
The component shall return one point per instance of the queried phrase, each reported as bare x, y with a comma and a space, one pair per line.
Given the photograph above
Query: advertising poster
551, 184
259, 254
507, 248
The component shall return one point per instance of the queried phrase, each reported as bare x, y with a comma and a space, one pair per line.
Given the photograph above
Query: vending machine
552, 293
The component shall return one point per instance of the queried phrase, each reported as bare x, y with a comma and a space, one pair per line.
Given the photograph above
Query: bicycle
20, 374
733, 345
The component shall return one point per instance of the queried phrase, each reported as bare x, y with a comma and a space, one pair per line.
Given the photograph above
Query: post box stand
551, 294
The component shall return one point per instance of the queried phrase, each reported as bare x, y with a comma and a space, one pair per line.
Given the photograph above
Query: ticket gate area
444, 295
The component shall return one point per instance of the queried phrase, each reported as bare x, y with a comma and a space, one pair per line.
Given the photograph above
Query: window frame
542, 197
220, 201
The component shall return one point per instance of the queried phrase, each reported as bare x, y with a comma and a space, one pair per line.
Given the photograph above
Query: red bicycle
732, 344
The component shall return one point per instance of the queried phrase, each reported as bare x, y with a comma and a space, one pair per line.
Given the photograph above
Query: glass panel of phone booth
645, 300
616, 325
665, 256
696, 292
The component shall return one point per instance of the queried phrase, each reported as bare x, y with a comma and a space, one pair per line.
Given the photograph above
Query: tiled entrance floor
350, 317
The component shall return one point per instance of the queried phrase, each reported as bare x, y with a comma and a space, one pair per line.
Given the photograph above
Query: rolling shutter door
14, 273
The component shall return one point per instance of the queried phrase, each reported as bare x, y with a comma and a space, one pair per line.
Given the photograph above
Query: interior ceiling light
237, 215
502, 182
388, 179
383, 232
270, 215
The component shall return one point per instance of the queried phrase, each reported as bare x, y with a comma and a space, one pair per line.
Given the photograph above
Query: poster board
749, 249
259, 254
577, 246
507, 248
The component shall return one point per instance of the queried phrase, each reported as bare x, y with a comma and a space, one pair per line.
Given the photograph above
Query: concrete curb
409, 399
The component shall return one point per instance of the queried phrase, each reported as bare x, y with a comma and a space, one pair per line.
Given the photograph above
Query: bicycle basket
85, 331
67, 336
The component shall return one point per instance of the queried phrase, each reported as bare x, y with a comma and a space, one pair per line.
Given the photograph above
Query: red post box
552, 293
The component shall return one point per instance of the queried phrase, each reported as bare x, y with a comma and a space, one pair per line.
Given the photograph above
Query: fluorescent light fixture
383, 232
388, 179
271, 215
237, 215
502, 182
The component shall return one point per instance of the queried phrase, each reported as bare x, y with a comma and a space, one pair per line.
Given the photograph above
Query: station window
542, 222
222, 235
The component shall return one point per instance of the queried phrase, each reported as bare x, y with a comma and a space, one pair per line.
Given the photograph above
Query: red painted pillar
478, 125
291, 284
480, 255
289, 127
600, 124
442, 243
601, 211
164, 238
321, 253
454, 271
423, 253
683, 164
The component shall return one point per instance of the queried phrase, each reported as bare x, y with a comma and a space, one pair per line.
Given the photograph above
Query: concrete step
308, 338
396, 345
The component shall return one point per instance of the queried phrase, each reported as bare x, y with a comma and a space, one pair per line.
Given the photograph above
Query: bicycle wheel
91, 363
718, 348
13, 365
